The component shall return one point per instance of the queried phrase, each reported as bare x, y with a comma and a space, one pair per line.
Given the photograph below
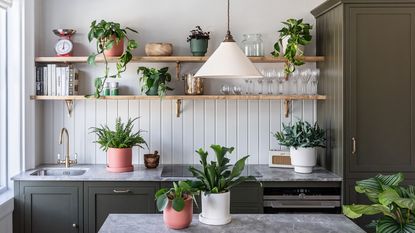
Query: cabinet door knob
353, 146
74, 225
121, 191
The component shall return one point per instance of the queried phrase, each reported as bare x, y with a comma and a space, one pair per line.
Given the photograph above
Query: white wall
247, 125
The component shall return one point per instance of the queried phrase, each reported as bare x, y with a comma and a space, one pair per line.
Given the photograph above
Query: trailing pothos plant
396, 203
297, 33
177, 195
153, 81
108, 34
122, 136
301, 134
218, 176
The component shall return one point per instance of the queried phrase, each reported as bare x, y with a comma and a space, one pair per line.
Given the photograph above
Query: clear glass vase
252, 45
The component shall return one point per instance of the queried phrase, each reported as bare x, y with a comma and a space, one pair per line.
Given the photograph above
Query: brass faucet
67, 160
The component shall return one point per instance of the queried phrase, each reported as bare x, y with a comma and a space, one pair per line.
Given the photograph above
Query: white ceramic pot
303, 159
215, 208
284, 44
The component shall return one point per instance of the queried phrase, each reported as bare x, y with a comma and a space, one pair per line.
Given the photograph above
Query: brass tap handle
353, 146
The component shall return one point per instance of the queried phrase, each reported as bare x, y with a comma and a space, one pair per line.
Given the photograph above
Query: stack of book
57, 80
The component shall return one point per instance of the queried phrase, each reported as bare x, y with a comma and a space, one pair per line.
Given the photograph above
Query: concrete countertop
140, 173
241, 223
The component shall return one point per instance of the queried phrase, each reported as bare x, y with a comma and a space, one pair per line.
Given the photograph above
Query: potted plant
198, 41
176, 204
395, 203
153, 81
302, 138
293, 37
118, 144
110, 38
215, 181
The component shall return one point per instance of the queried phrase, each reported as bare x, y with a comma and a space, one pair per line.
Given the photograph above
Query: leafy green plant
177, 195
108, 34
301, 134
122, 137
396, 203
297, 33
198, 33
217, 176
153, 81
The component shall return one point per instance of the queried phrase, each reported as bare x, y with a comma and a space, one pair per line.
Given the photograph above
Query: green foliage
154, 80
177, 194
394, 202
301, 134
122, 137
298, 33
108, 34
217, 176
198, 34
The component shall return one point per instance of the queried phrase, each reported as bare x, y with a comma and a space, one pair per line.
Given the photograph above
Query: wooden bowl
159, 49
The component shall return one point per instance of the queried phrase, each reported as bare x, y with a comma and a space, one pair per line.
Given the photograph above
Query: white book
67, 80
53, 79
50, 79
58, 81
45, 80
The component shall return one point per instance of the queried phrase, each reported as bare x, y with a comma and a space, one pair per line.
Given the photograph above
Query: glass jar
106, 90
252, 45
114, 88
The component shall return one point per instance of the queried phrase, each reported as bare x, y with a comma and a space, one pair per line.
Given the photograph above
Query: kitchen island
241, 223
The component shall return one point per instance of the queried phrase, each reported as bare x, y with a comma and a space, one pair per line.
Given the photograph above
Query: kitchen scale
64, 46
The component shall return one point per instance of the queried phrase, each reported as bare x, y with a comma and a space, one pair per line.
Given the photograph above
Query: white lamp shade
228, 61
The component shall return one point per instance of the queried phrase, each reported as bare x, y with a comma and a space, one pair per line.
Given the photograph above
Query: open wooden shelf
186, 97
169, 59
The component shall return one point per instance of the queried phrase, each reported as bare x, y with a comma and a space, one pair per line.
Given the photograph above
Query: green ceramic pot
152, 91
199, 46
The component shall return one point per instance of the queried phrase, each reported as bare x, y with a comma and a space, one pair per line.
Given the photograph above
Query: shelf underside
169, 59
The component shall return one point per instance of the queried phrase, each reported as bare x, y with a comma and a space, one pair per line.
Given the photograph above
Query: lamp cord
229, 16
228, 37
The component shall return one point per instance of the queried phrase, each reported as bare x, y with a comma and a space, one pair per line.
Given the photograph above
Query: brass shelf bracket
69, 107
178, 107
286, 107
178, 66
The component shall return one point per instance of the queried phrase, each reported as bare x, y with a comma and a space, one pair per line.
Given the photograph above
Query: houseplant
292, 38
118, 144
215, 180
198, 41
395, 203
110, 38
153, 81
302, 138
176, 204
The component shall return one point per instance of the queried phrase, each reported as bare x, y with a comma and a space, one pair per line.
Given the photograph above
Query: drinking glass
315, 73
237, 90
247, 87
260, 86
305, 76
293, 83
281, 80
226, 90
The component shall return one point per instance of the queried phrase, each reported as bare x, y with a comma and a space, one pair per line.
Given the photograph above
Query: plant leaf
162, 202
178, 204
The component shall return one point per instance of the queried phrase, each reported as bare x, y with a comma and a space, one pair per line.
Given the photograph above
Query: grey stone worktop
140, 173
252, 223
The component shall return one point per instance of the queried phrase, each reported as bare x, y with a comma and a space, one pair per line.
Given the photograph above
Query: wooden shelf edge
187, 97
169, 59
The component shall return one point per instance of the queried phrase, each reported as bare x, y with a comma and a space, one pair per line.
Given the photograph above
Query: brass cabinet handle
121, 191
353, 146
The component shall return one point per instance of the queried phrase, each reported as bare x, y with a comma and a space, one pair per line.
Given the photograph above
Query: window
3, 94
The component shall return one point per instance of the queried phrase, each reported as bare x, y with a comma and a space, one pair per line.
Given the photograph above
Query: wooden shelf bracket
286, 107
178, 65
69, 107
178, 107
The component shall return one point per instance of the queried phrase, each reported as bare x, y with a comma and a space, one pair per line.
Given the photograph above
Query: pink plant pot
178, 220
116, 50
119, 159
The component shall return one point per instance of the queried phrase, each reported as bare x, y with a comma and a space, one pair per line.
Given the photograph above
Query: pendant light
228, 61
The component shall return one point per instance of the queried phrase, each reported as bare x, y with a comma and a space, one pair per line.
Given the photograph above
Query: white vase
215, 208
284, 44
303, 159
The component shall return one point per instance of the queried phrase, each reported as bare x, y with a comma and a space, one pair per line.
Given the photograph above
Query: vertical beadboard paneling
155, 129
79, 129
198, 128
263, 131
145, 115
90, 149
242, 124
48, 133
209, 124
166, 132
232, 128
275, 123
101, 119
134, 112
58, 123
220, 124
177, 123
253, 131
188, 130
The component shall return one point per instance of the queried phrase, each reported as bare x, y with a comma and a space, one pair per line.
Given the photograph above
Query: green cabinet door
50, 207
380, 90
104, 198
247, 198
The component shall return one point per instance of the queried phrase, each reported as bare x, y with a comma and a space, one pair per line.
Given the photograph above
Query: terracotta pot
152, 160
119, 159
116, 50
178, 220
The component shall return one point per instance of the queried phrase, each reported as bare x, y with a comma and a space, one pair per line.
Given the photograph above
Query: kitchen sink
59, 172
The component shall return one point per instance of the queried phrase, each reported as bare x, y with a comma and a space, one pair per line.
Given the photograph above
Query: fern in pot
215, 181
302, 138
118, 144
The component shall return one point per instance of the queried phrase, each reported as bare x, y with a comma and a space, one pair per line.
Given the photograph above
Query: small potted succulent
302, 138
118, 144
176, 204
293, 37
215, 181
198, 41
110, 38
153, 81
393, 204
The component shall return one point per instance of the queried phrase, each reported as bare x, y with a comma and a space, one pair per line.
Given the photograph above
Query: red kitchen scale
64, 46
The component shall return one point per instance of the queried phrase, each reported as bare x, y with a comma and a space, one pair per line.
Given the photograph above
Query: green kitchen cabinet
48, 207
103, 198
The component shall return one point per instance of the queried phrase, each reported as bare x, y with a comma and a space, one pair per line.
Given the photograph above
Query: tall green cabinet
369, 78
